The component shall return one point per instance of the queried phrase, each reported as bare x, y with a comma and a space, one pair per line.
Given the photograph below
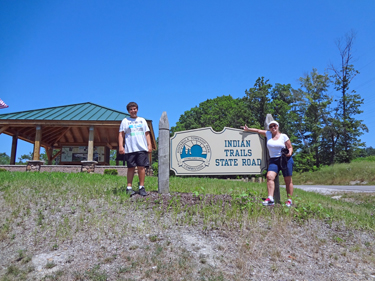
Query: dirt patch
183, 199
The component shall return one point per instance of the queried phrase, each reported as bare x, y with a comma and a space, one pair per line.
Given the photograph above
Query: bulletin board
76, 154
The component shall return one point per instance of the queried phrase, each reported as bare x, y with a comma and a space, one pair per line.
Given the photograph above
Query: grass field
361, 170
44, 212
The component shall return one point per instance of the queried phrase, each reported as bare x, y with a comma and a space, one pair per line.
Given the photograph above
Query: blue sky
172, 55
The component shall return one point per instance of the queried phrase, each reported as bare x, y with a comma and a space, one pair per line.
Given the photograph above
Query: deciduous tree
25, 157
4, 159
217, 113
348, 105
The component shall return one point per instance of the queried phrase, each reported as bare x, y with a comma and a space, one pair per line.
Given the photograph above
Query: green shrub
368, 159
3, 170
155, 168
112, 172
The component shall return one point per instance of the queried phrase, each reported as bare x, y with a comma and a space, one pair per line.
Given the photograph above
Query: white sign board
206, 152
79, 153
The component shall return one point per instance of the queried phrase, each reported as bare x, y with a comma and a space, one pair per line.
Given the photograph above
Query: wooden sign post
163, 154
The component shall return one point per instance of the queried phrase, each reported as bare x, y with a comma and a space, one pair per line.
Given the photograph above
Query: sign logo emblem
193, 153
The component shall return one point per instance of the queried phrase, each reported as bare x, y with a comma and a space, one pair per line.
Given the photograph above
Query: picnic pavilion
77, 132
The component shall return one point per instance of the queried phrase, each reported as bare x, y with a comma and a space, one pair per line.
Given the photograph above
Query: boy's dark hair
131, 104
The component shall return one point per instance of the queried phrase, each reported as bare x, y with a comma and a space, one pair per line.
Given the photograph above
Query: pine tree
257, 101
317, 101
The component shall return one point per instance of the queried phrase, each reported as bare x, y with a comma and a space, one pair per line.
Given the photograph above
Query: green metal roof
75, 112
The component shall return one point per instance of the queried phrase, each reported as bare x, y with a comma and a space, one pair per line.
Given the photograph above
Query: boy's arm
148, 138
121, 142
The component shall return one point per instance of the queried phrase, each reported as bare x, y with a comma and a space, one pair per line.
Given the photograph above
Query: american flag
3, 104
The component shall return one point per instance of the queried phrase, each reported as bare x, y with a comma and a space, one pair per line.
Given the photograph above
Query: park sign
206, 152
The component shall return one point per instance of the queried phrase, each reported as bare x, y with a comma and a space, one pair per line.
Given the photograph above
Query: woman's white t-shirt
275, 146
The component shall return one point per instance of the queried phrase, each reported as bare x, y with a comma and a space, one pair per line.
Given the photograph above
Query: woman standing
276, 141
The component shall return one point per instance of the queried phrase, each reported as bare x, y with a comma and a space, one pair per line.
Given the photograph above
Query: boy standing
137, 137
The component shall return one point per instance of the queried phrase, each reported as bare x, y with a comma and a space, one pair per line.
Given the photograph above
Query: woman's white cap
273, 122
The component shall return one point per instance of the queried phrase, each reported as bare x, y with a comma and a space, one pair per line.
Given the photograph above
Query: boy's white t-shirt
275, 146
135, 134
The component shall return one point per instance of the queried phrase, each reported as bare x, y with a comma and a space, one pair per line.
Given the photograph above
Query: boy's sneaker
268, 202
288, 203
130, 192
142, 191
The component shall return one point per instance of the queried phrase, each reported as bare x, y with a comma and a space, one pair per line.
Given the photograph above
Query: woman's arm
289, 146
253, 130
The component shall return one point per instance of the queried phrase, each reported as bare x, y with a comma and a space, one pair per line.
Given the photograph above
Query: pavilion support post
276, 194
149, 171
49, 152
90, 150
14, 149
89, 165
38, 138
117, 154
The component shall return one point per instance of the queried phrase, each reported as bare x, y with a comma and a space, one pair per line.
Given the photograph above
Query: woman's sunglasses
273, 125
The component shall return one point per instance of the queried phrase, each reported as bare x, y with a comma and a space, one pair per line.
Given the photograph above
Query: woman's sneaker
288, 203
268, 202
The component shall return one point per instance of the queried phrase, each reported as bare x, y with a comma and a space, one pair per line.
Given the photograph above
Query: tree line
324, 130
